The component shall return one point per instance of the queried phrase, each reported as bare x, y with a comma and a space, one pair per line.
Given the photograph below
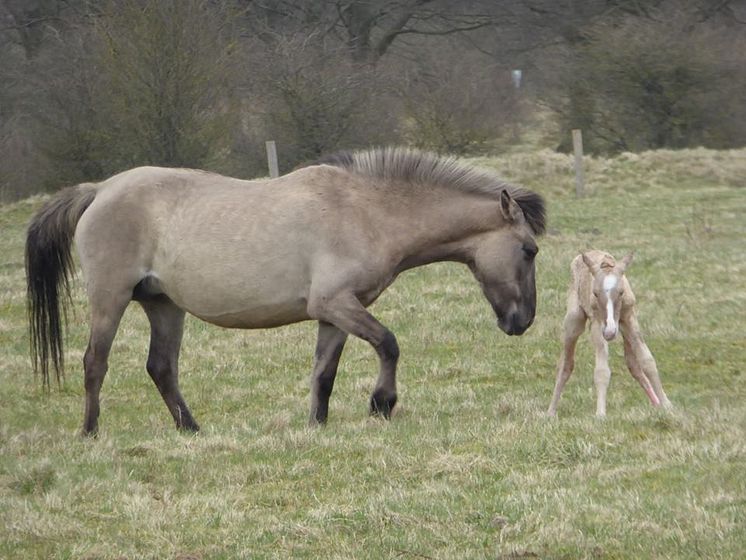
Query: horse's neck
454, 251
444, 233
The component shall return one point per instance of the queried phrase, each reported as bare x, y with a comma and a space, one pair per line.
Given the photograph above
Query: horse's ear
622, 266
592, 266
510, 209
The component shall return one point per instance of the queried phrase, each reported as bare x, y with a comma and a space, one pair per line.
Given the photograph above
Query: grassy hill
469, 467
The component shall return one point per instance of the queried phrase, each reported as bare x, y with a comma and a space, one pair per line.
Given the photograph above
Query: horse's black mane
415, 166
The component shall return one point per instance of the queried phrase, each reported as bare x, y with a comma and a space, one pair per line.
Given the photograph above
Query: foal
600, 292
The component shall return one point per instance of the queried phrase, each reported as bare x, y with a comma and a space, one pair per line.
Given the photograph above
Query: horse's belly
257, 316
243, 309
238, 285
237, 301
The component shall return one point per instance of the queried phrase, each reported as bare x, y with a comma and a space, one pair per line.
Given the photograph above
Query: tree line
90, 88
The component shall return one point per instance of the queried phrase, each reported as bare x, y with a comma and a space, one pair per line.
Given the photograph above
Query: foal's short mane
414, 166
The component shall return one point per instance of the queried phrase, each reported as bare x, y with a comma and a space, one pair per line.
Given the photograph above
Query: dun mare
600, 292
320, 243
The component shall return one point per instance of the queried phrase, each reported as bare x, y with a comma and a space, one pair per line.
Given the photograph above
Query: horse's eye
530, 251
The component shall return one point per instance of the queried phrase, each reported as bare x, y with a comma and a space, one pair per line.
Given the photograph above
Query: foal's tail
49, 267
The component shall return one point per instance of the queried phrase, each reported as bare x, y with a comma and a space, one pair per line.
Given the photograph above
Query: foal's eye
530, 251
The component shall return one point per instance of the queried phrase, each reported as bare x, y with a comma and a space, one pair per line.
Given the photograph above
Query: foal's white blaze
610, 282
610, 328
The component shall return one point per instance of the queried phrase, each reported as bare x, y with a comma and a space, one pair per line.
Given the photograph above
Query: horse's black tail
49, 267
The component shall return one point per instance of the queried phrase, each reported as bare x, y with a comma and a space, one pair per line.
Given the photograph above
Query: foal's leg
166, 329
602, 372
631, 328
106, 312
572, 328
636, 370
346, 313
329, 346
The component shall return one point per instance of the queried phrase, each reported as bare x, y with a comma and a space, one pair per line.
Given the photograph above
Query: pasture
469, 466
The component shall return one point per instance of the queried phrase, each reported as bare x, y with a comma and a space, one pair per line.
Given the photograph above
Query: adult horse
320, 243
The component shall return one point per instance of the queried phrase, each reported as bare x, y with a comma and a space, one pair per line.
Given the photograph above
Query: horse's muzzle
514, 325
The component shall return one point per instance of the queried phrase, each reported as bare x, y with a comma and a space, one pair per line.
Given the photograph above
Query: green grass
469, 467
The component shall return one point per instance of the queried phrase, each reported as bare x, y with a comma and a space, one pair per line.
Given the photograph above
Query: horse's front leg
345, 312
602, 372
643, 356
329, 346
572, 328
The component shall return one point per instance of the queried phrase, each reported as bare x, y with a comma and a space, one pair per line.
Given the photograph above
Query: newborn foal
600, 292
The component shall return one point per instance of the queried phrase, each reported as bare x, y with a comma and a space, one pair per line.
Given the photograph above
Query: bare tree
368, 28
652, 82
313, 99
167, 71
90, 87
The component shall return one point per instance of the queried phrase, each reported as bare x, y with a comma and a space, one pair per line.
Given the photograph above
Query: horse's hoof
382, 405
190, 428
89, 433
316, 421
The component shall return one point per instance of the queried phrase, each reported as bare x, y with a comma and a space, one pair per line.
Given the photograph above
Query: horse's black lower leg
166, 329
329, 346
104, 323
346, 313
95, 366
384, 395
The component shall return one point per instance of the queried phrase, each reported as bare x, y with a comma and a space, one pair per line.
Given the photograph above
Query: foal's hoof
381, 404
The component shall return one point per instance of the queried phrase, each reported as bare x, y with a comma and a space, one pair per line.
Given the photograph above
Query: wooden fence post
274, 170
577, 144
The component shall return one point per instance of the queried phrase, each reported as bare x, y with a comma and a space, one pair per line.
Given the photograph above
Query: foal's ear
594, 267
510, 209
622, 266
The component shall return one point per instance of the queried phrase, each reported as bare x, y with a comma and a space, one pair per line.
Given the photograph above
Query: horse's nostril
516, 325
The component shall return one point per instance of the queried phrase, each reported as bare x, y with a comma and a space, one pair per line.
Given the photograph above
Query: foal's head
608, 289
503, 262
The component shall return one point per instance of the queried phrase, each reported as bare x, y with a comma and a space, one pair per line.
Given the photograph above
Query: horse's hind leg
634, 368
106, 312
329, 346
644, 358
166, 329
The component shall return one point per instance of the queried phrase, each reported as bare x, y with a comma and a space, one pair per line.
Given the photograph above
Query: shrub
648, 84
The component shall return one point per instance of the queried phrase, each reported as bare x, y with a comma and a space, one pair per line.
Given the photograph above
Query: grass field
469, 467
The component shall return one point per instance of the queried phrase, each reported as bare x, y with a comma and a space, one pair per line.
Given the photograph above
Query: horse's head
608, 289
503, 263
